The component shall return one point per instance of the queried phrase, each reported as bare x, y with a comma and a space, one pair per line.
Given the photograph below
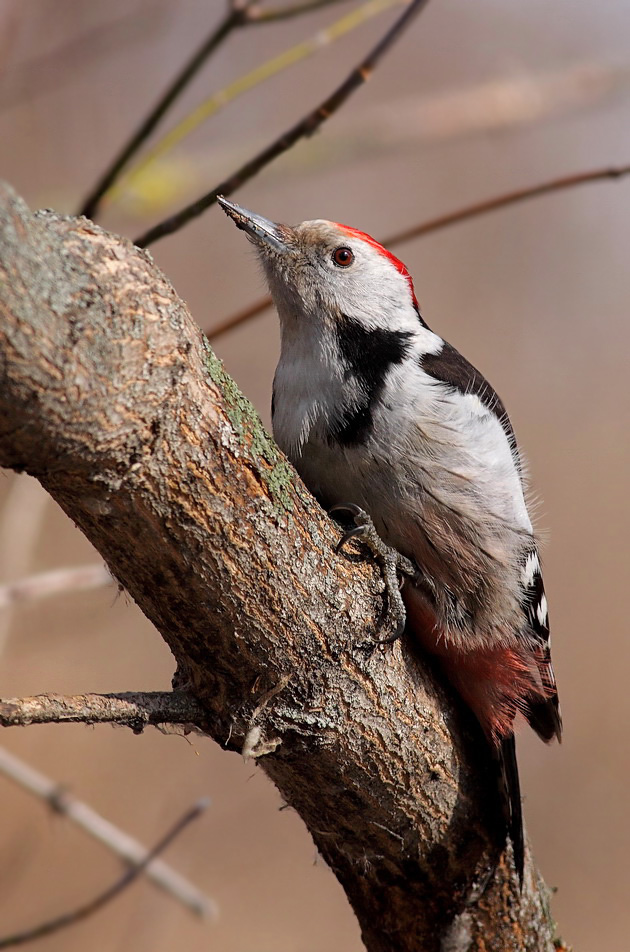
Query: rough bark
110, 396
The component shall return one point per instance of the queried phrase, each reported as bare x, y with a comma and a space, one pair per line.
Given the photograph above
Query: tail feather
511, 790
544, 717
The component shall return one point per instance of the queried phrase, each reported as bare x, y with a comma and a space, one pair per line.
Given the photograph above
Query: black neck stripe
367, 355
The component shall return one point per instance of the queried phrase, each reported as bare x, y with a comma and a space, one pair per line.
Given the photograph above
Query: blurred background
475, 100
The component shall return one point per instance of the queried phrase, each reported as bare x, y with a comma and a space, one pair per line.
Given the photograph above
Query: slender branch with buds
238, 15
261, 73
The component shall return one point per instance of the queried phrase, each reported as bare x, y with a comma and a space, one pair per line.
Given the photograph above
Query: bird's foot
392, 565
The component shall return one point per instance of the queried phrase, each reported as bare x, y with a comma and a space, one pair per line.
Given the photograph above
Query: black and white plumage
374, 408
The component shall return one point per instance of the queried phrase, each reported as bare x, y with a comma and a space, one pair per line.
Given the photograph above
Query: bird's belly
470, 561
338, 476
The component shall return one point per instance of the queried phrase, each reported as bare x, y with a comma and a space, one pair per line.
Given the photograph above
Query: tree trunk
111, 397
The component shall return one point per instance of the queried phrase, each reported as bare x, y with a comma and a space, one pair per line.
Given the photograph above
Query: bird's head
322, 271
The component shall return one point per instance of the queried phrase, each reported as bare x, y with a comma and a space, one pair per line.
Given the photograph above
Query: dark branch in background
136, 710
510, 198
89, 908
240, 14
233, 18
443, 221
304, 128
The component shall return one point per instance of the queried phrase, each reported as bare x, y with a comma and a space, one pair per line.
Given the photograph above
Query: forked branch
302, 129
110, 893
129, 849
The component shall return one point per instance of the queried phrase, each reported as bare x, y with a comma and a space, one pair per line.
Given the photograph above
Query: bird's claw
391, 562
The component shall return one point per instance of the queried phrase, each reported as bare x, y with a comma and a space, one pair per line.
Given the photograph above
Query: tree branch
129, 709
261, 14
610, 173
240, 13
130, 850
233, 18
112, 892
249, 80
304, 128
111, 397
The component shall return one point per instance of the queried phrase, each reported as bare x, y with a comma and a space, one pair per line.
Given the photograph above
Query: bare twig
44, 584
510, 198
254, 77
443, 221
115, 839
400, 123
241, 317
89, 908
234, 17
304, 128
259, 14
240, 13
131, 709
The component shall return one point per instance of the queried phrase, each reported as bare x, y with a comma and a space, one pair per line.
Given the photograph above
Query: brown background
536, 296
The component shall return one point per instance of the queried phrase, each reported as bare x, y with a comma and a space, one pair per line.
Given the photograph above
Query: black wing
450, 368
543, 715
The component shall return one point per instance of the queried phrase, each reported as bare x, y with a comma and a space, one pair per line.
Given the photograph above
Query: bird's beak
258, 229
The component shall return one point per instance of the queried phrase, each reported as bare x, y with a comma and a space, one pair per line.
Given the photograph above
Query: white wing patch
530, 570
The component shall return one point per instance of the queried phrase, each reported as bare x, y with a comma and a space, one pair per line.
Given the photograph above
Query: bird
383, 417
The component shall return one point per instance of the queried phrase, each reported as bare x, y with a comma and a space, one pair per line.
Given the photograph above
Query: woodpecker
373, 408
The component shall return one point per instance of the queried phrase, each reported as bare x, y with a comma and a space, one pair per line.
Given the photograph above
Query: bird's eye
343, 257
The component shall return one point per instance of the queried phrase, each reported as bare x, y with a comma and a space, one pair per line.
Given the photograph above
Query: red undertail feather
497, 683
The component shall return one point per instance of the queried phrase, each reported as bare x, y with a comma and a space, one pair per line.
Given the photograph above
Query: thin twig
233, 18
135, 710
260, 74
443, 221
126, 847
259, 14
89, 908
44, 584
240, 13
304, 128
241, 317
510, 198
